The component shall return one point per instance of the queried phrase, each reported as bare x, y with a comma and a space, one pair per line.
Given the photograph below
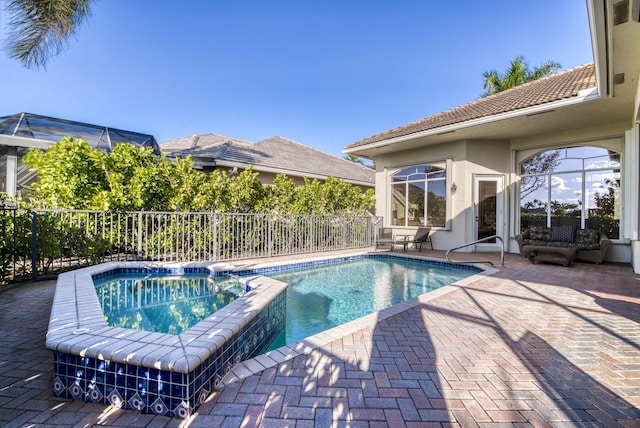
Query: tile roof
559, 86
276, 153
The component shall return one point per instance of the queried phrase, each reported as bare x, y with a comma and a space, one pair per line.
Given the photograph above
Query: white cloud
598, 164
558, 185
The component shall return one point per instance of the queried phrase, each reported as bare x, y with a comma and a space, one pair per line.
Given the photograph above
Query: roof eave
583, 96
289, 172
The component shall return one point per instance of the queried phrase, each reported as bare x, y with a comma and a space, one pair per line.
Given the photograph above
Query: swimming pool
324, 296
320, 295
170, 374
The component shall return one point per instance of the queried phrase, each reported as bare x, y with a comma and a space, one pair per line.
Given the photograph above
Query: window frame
443, 169
617, 168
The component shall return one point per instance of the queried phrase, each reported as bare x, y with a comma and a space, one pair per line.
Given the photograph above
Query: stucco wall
389, 164
471, 158
468, 159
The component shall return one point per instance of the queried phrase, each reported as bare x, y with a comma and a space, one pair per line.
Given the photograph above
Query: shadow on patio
502, 350
536, 344
562, 372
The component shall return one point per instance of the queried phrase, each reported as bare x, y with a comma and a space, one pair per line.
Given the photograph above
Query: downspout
601, 45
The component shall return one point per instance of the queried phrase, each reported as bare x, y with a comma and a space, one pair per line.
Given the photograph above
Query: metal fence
42, 243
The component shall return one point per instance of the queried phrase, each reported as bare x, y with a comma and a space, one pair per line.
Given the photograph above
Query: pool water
319, 296
323, 297
163, 303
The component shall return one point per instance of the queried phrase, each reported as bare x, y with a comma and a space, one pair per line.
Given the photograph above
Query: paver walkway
532, 345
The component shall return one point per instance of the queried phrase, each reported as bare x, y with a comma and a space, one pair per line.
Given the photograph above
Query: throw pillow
539, 233
588, 239
563, 233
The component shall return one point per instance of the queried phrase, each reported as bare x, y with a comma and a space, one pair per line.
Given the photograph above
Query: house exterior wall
486, 159
632, 197
468, 159
453, 154
464, 160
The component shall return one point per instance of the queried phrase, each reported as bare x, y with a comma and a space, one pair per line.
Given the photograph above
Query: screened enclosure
22, 131
36, 127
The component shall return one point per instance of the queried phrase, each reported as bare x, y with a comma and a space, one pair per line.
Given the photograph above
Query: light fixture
454, 188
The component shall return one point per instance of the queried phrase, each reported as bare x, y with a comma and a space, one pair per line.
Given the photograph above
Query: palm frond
517, 73
545, 69
39, 29
492, 82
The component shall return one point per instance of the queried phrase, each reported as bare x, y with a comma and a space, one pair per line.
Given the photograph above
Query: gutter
10, 140
217, 163
600, 22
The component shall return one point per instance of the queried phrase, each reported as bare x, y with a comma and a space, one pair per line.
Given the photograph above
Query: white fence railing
42, 243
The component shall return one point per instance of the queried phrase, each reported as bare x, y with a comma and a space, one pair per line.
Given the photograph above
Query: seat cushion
550, 244
539, 233
588, 239
563, 233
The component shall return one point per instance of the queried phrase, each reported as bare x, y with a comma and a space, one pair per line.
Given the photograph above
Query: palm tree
353, 158
40, 29
516, 74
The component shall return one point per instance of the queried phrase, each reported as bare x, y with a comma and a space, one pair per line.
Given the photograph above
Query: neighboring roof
34, 127
560, 86
275, 154
209, 146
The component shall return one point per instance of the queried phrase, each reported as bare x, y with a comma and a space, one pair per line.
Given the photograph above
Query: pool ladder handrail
477, 242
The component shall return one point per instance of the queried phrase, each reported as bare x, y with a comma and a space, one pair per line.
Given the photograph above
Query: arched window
577, 186
418, 196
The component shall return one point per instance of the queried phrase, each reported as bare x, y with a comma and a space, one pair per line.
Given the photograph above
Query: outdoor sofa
567, 242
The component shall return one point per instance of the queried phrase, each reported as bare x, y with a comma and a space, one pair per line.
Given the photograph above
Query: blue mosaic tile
150, 390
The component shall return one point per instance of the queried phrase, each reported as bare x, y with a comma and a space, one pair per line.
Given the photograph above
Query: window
577, 186
418, 197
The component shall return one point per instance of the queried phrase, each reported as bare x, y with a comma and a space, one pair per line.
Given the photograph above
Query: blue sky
323, 73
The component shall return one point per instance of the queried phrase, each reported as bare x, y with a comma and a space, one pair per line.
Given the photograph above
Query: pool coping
80, 328
305, 346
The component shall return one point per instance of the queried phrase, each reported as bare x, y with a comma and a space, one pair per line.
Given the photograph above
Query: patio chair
421, 236
385, 236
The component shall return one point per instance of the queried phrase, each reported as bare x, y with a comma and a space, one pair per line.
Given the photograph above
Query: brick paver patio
531, 345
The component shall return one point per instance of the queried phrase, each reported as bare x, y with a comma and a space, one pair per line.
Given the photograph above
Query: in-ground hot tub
158, 373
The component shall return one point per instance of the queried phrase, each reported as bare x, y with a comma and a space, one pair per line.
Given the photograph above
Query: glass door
488, 208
